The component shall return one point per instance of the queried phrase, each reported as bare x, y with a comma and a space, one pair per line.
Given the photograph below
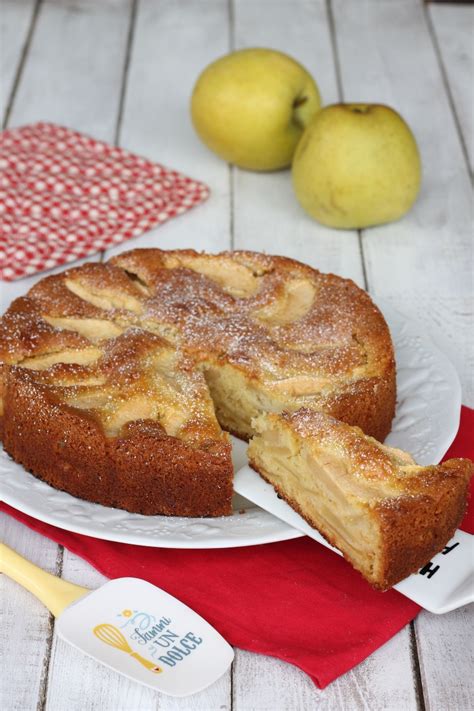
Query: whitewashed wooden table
122, 70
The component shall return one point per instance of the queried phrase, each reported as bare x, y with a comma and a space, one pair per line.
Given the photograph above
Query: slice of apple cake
386, 514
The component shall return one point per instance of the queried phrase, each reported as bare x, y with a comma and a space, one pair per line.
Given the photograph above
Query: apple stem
299, 101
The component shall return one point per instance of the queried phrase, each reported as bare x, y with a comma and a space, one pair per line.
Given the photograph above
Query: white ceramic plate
426, 422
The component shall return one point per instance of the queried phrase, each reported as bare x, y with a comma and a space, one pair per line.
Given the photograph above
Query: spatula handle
53, 592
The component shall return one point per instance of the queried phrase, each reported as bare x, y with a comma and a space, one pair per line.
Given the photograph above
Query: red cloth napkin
64, 196
294, 600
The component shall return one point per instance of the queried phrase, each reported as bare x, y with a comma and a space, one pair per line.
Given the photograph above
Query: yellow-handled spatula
130, 626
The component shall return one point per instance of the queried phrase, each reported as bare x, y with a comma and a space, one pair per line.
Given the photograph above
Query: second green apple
357, 165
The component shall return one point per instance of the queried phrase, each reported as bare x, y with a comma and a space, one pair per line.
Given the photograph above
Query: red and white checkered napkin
64, 196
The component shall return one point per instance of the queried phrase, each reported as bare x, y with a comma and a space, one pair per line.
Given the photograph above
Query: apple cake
116, 378
387, 515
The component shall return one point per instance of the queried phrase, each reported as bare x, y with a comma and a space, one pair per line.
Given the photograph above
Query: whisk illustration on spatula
112, 635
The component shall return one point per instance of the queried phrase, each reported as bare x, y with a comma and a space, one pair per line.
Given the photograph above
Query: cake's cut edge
387, 516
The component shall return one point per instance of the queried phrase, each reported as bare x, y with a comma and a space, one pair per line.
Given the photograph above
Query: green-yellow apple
251, 107
356, 165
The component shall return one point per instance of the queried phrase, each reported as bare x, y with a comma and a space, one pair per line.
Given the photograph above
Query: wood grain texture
74, 68
454, 31
383, 681
26, 625
267, 216
423, 263
447, 659
15, 22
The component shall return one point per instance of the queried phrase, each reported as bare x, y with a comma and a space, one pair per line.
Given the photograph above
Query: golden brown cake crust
302, 338
416, 509
143, 470
418, 525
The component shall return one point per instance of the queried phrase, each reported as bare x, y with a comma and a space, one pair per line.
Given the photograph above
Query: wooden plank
267, 216
15, 22
74, 70
423, 263
383, 681
170, 49
72, 75
156, 123
285, 689
447, 659
27, 628
454, 28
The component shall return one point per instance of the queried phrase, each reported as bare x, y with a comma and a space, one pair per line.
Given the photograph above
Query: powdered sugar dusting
339, 338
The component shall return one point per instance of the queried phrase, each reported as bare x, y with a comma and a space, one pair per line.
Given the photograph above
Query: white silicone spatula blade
147, 635
130, 626
443, 584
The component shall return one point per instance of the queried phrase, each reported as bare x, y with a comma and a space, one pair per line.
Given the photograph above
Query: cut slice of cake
387, 515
